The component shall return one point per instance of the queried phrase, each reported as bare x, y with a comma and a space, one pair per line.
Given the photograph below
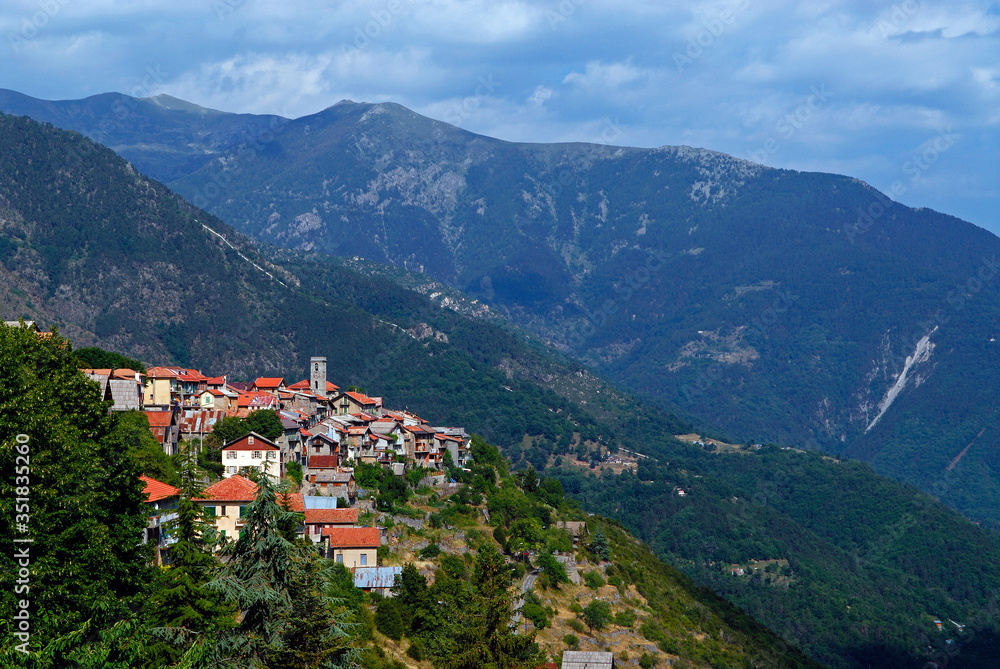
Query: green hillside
778, 305
117, 260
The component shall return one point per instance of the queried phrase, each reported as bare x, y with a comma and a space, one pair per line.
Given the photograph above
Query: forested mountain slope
780, 305
115, 259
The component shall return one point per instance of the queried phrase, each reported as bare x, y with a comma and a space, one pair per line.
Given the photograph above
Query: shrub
575, 625
593, 579
389, 619
597, 614
416, 650
294, 470
430, 552
625, 618
647, 661
576, 608
572, 641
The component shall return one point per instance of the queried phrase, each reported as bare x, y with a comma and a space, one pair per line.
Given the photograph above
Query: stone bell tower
317, 375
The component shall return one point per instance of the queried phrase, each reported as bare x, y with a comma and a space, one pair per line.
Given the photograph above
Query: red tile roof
332, 516
352, 537
359, 398
157, 490
293, 501
268, 382
323, 462
160, 418
300, 385
216, 381
243, 444
233, 489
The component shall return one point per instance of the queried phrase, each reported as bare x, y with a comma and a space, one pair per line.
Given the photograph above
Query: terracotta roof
243, 444
268, 382
448, 437
323, 462
332, 516
216, 381
304, 432
157, 490
233, 489
299, 385
352, 537
294, 501
240, 386
159, 418
255, 399
359, 398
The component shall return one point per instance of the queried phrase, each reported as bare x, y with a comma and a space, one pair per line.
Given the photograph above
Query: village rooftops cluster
325, 430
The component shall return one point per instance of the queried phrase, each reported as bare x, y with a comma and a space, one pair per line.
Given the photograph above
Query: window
364, 559
272, 455
230, 455
209, 511
256, 455
222, 533
231, 470
223, 511
242, 511
250, 440
340, 558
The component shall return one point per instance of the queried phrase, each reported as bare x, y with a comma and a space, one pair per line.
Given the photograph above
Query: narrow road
526, 585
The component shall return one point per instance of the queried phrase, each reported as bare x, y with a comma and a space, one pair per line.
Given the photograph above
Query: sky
903, 95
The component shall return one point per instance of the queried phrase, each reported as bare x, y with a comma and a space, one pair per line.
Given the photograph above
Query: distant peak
170, 102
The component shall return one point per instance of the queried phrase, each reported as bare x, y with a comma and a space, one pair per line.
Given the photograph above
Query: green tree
97, 358
389, 618
264, 422
294, 470
183, 607
89, 568
263, 573
485, 637
133, 430
597, 614
599, 545
227, 429
553, 573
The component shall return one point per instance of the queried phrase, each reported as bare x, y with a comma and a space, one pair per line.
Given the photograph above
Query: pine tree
183, 608
280, 588
487, 637
599, 545
89, 569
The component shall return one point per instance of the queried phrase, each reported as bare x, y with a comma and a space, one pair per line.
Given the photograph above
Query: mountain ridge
123, 262
781, 304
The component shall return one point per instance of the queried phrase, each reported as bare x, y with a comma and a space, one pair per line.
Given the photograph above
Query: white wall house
252, 451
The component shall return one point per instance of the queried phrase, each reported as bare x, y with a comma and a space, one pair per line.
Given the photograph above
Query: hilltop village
326, 432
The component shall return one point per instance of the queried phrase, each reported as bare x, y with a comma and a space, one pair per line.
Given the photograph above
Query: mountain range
800, 308
858, 567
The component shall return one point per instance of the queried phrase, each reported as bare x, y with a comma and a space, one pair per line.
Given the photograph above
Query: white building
252, 451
